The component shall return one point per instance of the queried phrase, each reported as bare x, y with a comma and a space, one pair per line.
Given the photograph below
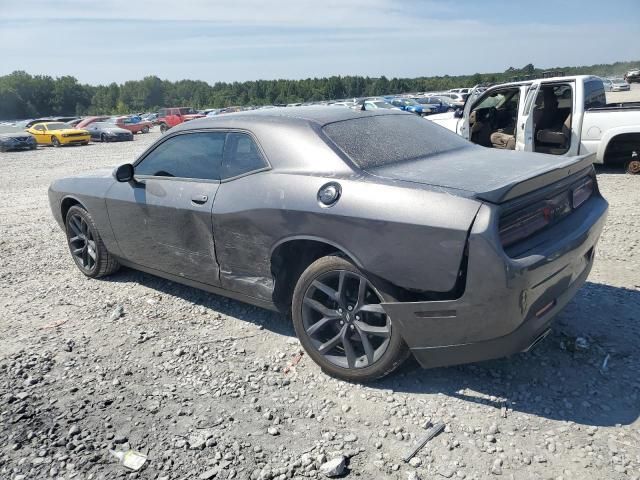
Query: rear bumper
508, 304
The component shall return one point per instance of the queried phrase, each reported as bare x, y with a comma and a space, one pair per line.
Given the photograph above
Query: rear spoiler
564, 168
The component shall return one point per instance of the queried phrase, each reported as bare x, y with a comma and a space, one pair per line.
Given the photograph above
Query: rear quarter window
375, 141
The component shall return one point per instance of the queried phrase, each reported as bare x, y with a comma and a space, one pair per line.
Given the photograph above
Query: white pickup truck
558, 116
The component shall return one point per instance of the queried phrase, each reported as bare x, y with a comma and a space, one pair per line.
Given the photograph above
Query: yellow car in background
58, 133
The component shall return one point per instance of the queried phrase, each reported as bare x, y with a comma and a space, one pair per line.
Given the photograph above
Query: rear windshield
372, 142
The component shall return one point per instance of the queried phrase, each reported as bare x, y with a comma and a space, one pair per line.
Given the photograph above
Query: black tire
85, 245
163, 127
54, 141
103, 138
145, 130
386, 349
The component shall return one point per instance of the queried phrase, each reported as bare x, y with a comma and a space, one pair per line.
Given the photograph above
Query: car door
162, 219
524, 125
39, 132
240, 243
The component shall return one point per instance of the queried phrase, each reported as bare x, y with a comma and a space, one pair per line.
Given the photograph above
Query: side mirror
124, 173
459, 113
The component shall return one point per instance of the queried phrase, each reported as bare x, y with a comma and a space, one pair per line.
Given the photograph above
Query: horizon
298, 39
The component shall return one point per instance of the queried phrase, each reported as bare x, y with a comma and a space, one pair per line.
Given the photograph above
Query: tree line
26, 96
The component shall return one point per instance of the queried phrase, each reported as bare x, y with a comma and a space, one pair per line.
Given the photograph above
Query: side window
40, 128
241, 155
191, 155
594, 96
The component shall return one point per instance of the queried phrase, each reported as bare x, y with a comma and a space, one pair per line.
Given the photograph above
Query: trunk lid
492, 175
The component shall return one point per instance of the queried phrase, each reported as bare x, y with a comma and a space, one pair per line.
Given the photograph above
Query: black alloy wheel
103, 138
339, 319
87, 249
343, 318
82, 243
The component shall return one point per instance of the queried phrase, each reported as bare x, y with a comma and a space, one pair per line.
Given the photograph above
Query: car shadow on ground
271, 321
556, 380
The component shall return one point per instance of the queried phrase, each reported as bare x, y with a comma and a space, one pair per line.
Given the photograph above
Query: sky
103, 41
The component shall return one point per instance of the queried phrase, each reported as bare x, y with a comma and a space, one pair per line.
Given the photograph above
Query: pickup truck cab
170, 117
558, 116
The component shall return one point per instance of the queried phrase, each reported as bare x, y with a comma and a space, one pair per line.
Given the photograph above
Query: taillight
523, 223
581, 192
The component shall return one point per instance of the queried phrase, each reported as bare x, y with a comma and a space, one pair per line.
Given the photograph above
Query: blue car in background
408, 105
435, 104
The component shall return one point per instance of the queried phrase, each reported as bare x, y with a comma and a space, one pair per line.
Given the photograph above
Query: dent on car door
162, 219
242, 226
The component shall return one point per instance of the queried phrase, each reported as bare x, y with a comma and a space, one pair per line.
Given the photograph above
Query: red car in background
170, 117
126, 122
89, 120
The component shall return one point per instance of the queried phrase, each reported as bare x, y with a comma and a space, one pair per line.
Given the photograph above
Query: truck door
462, 128
524, 130
525, 127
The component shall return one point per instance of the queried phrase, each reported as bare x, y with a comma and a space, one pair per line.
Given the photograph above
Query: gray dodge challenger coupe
381, 233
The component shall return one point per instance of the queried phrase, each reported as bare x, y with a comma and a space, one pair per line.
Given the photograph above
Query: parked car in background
376, 105
89, 120
460, 90
134, 125
381, 233
456, 99
17, 141
408, 105
615, 85
435, 104
633, 76
58, 134
108, 132
150, 117
449, 105
170, 117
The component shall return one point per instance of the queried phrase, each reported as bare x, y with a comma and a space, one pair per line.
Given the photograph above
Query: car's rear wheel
145, 130
54, 141
86, 247
338, 318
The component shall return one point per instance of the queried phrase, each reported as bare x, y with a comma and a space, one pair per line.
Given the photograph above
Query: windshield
380, 104
372, 142
619, 81
102, 125
408, 101
58, 126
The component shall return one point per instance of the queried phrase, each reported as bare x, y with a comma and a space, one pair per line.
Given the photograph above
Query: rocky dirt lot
210, 388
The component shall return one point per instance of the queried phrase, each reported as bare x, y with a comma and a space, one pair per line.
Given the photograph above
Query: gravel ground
213, 388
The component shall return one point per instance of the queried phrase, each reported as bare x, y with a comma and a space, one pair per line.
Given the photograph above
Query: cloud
246, 40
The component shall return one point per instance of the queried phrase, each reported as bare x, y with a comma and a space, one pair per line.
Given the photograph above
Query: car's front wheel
163, 127
86, 247
145, 130
338, 318
103, 138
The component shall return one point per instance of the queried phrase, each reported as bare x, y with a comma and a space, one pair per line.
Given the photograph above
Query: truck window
594, 96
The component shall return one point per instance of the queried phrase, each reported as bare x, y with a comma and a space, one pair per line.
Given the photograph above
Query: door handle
200, 198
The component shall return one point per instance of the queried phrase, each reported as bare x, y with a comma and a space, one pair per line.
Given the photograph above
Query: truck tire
163, 127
